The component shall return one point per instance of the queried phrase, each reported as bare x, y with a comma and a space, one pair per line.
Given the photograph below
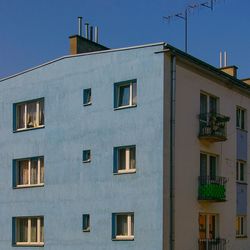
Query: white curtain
23, 172
31, 115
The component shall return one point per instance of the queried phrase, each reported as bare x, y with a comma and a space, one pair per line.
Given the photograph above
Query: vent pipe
80, 26
86, 30
91, 33
225, 59
96, 34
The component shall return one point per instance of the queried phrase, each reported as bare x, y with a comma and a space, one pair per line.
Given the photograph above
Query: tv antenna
184, 15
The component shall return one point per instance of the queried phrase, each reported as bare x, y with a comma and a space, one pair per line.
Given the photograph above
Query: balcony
212, 188
212, 244
213, 127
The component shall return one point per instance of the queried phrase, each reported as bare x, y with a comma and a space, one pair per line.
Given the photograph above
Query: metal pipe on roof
80, 26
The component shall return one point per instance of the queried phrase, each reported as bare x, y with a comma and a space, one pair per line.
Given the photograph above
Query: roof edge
82, 54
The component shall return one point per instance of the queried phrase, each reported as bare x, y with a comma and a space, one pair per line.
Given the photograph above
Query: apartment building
142, 148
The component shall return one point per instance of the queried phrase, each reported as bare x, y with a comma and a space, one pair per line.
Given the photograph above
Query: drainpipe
172, 153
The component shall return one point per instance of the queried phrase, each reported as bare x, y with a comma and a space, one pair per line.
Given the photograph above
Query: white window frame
117, 93
29, 242
129, 236
239, 165
241, 110
127, 160
241, 226
39, 183
25, 114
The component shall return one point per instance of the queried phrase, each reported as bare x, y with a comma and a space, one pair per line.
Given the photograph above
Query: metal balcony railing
212, 244
212, 188
213, 127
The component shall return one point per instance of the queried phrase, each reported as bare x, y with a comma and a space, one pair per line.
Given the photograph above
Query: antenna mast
185, 15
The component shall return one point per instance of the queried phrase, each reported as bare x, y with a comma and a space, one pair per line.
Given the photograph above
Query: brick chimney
80, 44
231, 70
246, 80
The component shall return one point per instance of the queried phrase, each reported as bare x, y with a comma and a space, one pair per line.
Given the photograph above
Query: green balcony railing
213, 126
212, 188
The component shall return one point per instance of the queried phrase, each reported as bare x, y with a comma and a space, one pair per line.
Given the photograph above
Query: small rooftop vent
85, 43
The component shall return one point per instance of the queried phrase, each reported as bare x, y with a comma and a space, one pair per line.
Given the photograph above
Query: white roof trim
78, 55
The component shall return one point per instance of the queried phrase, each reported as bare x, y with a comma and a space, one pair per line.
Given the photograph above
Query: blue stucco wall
241, 199
241, 145
71, 187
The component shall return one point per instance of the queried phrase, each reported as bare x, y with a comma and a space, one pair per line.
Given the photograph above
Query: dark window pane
87, 96
122, 225
121, 158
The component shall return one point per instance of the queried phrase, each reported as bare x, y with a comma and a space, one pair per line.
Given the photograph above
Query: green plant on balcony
212, 191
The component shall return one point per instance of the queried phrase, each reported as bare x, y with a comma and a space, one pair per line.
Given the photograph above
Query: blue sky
33, 32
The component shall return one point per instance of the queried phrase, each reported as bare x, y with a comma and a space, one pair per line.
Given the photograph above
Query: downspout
172, 154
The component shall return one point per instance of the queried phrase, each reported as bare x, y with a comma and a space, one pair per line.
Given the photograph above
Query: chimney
80, 44
246, 80
231, 70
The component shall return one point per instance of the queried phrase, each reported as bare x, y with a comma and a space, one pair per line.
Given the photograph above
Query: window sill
29, 186
25, 244
132, 171
242, 182
125, 107
241, 236
88, 161
241, 129
125, 238
87, 104
27, 129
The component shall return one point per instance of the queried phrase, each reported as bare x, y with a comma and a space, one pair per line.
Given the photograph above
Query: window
208, 226
125, 94
29, 115
87, 98
123, 226
86, 156
125, 159
240, 118
86, 223
29, 231
208, 103
208, 165
241, 226
29, 172
240, 171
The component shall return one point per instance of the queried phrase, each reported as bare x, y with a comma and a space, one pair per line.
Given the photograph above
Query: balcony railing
213, 127
212, 188
212, 244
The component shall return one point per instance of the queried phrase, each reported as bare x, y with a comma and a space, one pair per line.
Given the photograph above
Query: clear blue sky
33, 31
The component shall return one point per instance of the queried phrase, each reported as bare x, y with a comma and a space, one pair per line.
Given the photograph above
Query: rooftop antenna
184, 15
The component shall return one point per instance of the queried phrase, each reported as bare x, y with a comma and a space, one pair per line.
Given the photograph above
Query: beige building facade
208, 189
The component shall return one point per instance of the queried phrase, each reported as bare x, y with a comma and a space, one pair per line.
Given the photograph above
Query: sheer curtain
41, 113
20, 116
22, 230
23, 172
132, 158
31, 115
33, 171
42, 170
33, 229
